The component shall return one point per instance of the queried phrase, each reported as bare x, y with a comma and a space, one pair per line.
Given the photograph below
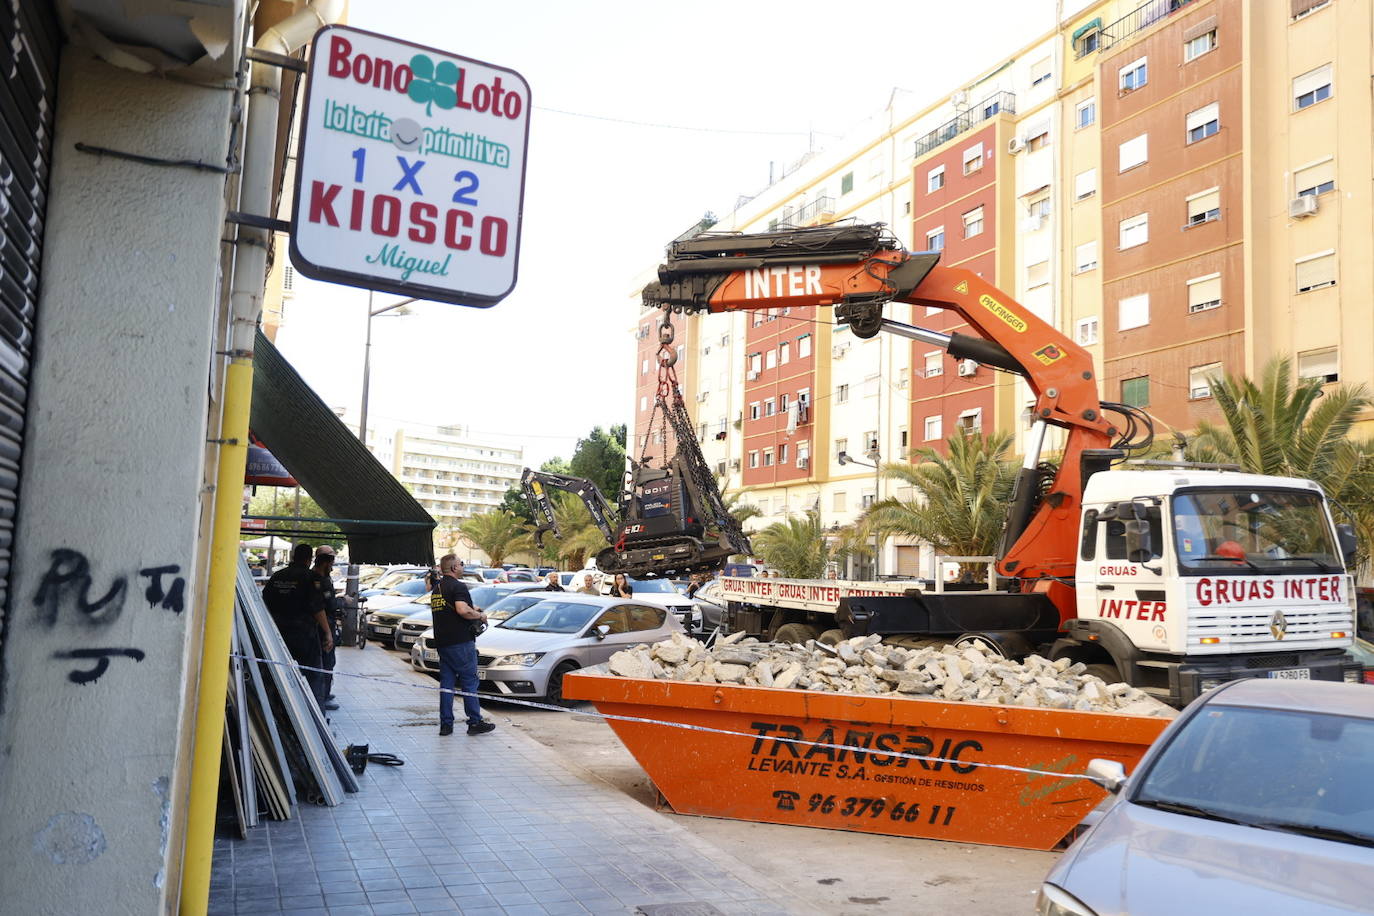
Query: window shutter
1134, 151
973, 152
1203, 291
1208, 200
1314, 176
1316, 272
1310, 81
1203, 115
1085, 183
1298, 7
1202, 28
1317, 364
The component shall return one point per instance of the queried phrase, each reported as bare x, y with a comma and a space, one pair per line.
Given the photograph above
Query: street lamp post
843, 458
367, 357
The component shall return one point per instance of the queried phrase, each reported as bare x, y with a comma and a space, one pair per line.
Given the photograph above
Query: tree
600, 458
797, 547
493, 532
580, 536
283, 501
1293, 429
961, 499
514, 502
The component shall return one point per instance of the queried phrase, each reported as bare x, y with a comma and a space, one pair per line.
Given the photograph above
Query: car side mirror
602, 631
1345, 536
1109, 774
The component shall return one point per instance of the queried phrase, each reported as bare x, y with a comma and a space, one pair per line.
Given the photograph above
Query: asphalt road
851, 874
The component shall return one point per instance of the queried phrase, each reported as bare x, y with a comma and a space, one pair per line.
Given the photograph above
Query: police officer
324, 583
294, 598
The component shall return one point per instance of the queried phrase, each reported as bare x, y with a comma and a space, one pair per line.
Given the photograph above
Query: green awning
382, 521
1090, 26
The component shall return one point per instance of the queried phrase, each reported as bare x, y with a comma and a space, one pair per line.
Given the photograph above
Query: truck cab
1189, 578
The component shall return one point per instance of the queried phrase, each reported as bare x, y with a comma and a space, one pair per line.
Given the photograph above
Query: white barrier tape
869, 751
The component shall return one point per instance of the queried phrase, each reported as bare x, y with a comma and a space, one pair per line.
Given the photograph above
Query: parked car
417, 629
1363, 653
394, 576
710, 604
399, 594
492, 575
410, 628
521, 575
1256, 799
664, 594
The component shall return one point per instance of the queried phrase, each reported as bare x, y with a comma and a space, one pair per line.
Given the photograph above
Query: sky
646, 115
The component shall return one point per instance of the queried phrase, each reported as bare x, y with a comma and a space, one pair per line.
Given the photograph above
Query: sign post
411, 170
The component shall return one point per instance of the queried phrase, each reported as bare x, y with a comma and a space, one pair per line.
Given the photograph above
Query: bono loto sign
411, 172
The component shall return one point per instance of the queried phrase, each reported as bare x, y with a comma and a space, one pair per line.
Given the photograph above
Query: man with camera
456, 625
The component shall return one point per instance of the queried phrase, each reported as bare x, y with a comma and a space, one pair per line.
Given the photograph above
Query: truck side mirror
1139, 546
1345, 536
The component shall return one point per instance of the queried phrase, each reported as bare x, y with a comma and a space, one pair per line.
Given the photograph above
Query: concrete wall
108, 524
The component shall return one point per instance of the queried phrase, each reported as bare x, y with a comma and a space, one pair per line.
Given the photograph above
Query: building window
1038, 137
839, 502
1313, 180
973, 159
973, 222
901, 438
803, 454
935, 179
1085, 331
1085, 257
841, 394
1037, 274
1203, 123
935, 239
870, 442
803, 346
753, 459
1198, 45
643, 402
1089, 41
1204, 207
841, 445
935, 363
784, 353
754, 410
770, 360
1133, 312
1040, 72
1200, 380
1312, 87
1135, 392
770, 407
782, 403
782, 453
1085, 114
768, 457
756, 359
868, 498
1134, 152
1319, 364
970, 421
1085, 184
1300, 9
847, 183
1316, 271
1134, 75
1204, 293
1135, 230
1037, 211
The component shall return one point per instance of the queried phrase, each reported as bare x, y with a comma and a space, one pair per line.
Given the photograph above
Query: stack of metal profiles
278, 748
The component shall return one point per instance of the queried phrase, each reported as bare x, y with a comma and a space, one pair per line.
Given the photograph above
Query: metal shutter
29, 45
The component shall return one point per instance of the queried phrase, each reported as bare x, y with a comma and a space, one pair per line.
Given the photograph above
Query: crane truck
1171, 579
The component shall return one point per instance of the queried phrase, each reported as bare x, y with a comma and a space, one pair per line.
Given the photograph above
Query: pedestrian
456, 624
292, 595
694, 585
324, 583
552, 580
620, 587
588, 587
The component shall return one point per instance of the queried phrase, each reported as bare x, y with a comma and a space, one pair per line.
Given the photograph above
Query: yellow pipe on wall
219, 622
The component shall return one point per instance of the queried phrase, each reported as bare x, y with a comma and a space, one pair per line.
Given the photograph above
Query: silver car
411, 626
419, 627
527, 655
1259, 798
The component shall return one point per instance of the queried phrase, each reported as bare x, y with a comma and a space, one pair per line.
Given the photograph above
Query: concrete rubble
864, 665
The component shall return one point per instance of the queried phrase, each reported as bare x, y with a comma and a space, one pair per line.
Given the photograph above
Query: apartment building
1180, 187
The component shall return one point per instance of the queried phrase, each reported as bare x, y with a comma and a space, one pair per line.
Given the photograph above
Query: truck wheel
797, 633
1108, 673
831, 637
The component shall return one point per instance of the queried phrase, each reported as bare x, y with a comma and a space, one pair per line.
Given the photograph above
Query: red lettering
384, 74
403, 78
1223, 591
493, 236
1204, 592
422, 216
339, 49
362, 68
481, 97
386, 215
1268, 588
322, 202
355, 219
1113, 608
512, 106
452, 238
1160, 608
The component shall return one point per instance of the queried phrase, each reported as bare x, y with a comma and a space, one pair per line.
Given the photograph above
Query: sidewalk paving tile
496, 825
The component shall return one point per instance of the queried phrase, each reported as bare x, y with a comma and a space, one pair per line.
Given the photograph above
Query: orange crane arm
858, 269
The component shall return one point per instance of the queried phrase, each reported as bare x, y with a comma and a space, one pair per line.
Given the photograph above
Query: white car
664, 594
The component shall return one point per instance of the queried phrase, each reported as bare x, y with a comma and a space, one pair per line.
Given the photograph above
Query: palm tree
493, 533
797, 547
580, 536
961, 499
1293, 429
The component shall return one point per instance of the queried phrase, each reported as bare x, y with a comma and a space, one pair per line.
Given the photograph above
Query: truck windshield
1244, 531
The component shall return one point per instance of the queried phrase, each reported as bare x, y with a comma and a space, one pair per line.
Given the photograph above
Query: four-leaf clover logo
431, 85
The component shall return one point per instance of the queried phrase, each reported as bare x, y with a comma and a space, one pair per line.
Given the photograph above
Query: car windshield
652, 587
1249, 531
1277, 769
553, 617
410, 589
511, 605
483, 596
491, 573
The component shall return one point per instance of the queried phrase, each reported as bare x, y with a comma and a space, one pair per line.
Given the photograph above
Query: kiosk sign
411, 171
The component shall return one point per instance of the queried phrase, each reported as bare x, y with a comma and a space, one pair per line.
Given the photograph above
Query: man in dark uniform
324, 566
456, 624
293, 597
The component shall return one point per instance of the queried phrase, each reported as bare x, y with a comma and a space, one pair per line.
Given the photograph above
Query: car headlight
1051, 901
517, 661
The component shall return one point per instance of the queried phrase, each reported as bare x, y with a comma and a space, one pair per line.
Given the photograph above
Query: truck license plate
1293, 674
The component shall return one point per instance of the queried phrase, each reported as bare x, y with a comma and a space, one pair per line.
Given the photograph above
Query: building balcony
992, 105
820, 210
1137, 20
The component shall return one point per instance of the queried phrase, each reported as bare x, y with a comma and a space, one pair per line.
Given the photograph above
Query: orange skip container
751, 776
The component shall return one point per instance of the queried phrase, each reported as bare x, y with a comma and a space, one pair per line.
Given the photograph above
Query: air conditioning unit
803, 462
750, 376
1302, 207
734, 464
1014, 145
959, 98
968, 368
